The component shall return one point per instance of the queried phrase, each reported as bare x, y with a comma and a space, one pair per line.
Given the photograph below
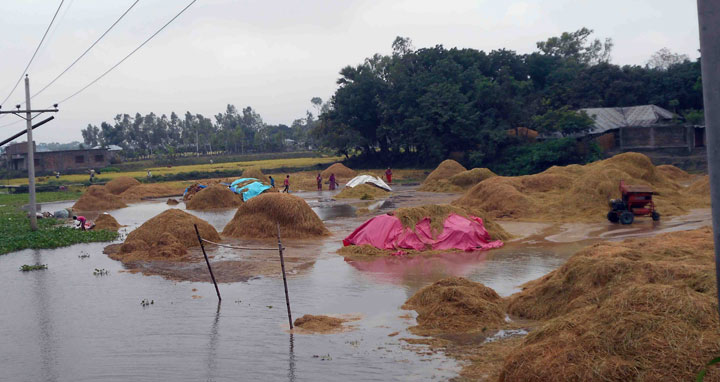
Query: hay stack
97, 198
318, 324
172, 202
165, 237
576, 193
700, 187
340, 171
214, 197
255, 172
363, 191
259, 216
150, 190
437, 213
118, 185
472, 177
107, 222
639, 310
674, 173
455, 305
443, 172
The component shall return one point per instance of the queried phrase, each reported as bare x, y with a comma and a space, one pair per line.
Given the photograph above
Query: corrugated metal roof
609, 118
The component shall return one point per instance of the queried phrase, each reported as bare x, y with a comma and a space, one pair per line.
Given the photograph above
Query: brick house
63, 161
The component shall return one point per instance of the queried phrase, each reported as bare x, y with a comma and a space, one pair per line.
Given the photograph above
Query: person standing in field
272, 181
319, 182
332, 182
92, 175
287, 184
149, 174
388, 175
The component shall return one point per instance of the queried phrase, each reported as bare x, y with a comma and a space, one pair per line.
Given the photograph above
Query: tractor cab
636, 201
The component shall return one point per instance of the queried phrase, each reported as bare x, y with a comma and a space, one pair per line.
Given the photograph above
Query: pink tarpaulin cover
387, 232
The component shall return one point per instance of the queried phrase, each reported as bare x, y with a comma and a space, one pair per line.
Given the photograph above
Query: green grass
36, 267
15, 233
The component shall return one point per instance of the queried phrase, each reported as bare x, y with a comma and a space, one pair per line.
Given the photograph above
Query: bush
537, 157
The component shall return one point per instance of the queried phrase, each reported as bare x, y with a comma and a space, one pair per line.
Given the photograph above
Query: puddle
66, 324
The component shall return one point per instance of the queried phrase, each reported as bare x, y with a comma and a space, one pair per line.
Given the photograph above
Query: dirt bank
340, 171
107, 222
363, 192
258, 218
165, 237
97, 198
578, 193
150, 190
455, 305
118, 185
215, 196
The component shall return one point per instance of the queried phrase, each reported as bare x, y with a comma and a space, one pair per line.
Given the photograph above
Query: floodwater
66, 324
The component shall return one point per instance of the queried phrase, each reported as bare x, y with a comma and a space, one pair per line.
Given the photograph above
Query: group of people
331, 180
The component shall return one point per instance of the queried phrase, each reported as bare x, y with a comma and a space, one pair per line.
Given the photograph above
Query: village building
63, 161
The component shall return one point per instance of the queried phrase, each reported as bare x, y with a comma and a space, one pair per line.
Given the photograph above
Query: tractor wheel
655, 216
613, 217
627, 217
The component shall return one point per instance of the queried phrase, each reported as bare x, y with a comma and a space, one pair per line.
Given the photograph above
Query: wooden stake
212, 276
282, 265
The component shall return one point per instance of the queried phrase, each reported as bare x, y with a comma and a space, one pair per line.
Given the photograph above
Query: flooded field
67, 324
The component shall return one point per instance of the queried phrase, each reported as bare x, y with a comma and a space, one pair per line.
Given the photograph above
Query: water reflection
291, 360
212, 346
46, 340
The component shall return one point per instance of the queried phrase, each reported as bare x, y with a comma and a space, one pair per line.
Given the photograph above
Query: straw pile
172, 202
577, 193
165, 237
118, 185
459, 182
673, 172
255, 172
439, 212
107, 222
258, 218
443, 172
363, 191
639, 310
97, 198
214, 197
319, 324
700, 186
455, 305
340, 171
150, 190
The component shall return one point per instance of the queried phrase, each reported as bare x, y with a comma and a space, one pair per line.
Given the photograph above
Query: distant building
645, 127
63, 161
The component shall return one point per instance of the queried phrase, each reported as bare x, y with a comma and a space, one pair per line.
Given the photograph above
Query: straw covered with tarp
248, 188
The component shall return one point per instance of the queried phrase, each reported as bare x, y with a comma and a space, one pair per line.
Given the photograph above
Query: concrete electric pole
709, 23
31, 148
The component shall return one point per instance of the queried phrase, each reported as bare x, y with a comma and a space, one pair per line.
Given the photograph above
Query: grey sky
276, 55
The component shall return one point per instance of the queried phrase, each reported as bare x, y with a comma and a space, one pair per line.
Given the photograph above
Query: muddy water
65, 324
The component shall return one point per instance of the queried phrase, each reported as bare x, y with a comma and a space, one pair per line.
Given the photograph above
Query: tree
91, 135
575, 45
663, 59
563, 121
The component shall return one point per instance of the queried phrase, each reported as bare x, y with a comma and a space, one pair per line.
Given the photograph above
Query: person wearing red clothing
287, 184
388, 175
82, 221
319, 182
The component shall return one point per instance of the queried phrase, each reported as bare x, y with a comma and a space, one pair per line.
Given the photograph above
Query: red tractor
636, 201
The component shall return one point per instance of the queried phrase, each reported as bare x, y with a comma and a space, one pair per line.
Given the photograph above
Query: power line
130, 54
87, 50
34, 54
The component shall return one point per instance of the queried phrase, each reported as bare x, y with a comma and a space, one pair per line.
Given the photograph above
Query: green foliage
109, 169
537, 157
695, 117
35, 267
15, 233
563, 121
702, 373
419, 106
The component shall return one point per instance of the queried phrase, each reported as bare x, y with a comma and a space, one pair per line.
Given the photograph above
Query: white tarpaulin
374, 180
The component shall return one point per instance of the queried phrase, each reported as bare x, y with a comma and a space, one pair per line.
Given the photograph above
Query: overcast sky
276, 55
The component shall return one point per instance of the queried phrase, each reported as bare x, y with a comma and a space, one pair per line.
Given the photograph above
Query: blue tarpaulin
250, 190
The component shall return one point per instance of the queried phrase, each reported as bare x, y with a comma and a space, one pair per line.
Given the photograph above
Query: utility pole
709, 23
31, 148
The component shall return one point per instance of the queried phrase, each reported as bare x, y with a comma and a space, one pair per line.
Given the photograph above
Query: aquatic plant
101, 272
35, 267
145, 302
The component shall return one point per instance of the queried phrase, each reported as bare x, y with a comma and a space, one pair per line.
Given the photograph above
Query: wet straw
282, 265
208, 262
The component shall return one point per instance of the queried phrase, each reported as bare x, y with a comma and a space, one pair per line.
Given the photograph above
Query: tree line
232, 131
420, 106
